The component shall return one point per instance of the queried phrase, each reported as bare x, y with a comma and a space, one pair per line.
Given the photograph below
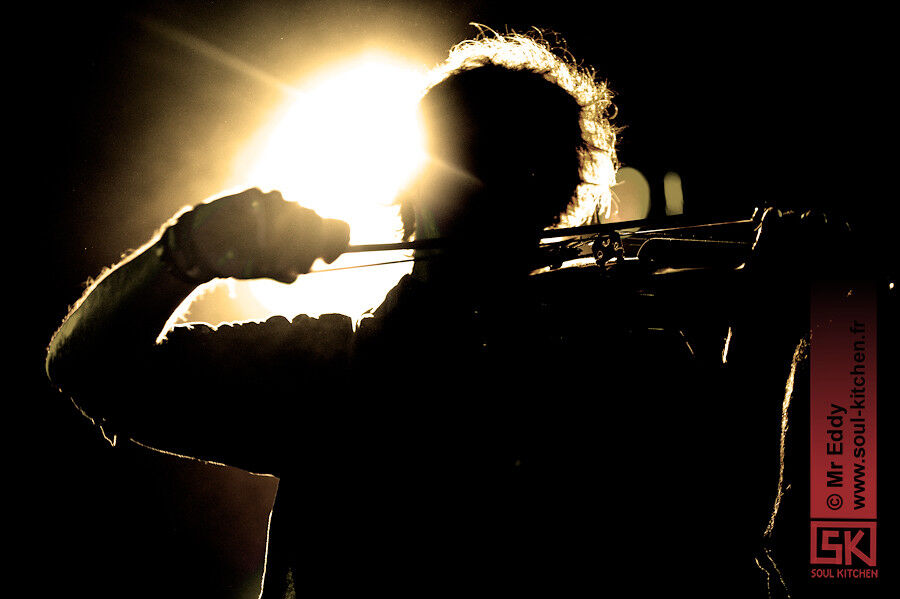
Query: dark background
114, 127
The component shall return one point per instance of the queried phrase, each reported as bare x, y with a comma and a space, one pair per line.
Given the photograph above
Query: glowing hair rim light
592, 199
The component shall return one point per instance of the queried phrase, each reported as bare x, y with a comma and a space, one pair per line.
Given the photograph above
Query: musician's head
517, 136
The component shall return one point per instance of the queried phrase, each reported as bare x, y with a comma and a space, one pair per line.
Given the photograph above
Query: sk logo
842, 543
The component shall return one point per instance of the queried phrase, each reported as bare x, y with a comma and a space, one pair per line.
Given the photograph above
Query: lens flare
344, 146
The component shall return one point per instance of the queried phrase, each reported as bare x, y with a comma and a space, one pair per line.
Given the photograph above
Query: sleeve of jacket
245, 394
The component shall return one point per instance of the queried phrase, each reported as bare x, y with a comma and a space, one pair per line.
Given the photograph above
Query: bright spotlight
345, 146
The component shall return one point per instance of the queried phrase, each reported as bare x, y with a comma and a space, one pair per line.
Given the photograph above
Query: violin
674, 277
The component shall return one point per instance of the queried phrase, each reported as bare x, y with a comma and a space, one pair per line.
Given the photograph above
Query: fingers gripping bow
252, 235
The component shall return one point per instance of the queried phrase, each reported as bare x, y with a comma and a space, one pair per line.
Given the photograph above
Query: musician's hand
804, 244
790, 252
253, 235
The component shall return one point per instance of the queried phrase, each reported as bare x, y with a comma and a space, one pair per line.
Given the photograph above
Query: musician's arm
106, 354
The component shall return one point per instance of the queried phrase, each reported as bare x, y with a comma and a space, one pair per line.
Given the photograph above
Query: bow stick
629, 228
634, 233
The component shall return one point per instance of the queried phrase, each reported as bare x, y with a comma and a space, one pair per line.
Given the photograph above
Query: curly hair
570, 119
